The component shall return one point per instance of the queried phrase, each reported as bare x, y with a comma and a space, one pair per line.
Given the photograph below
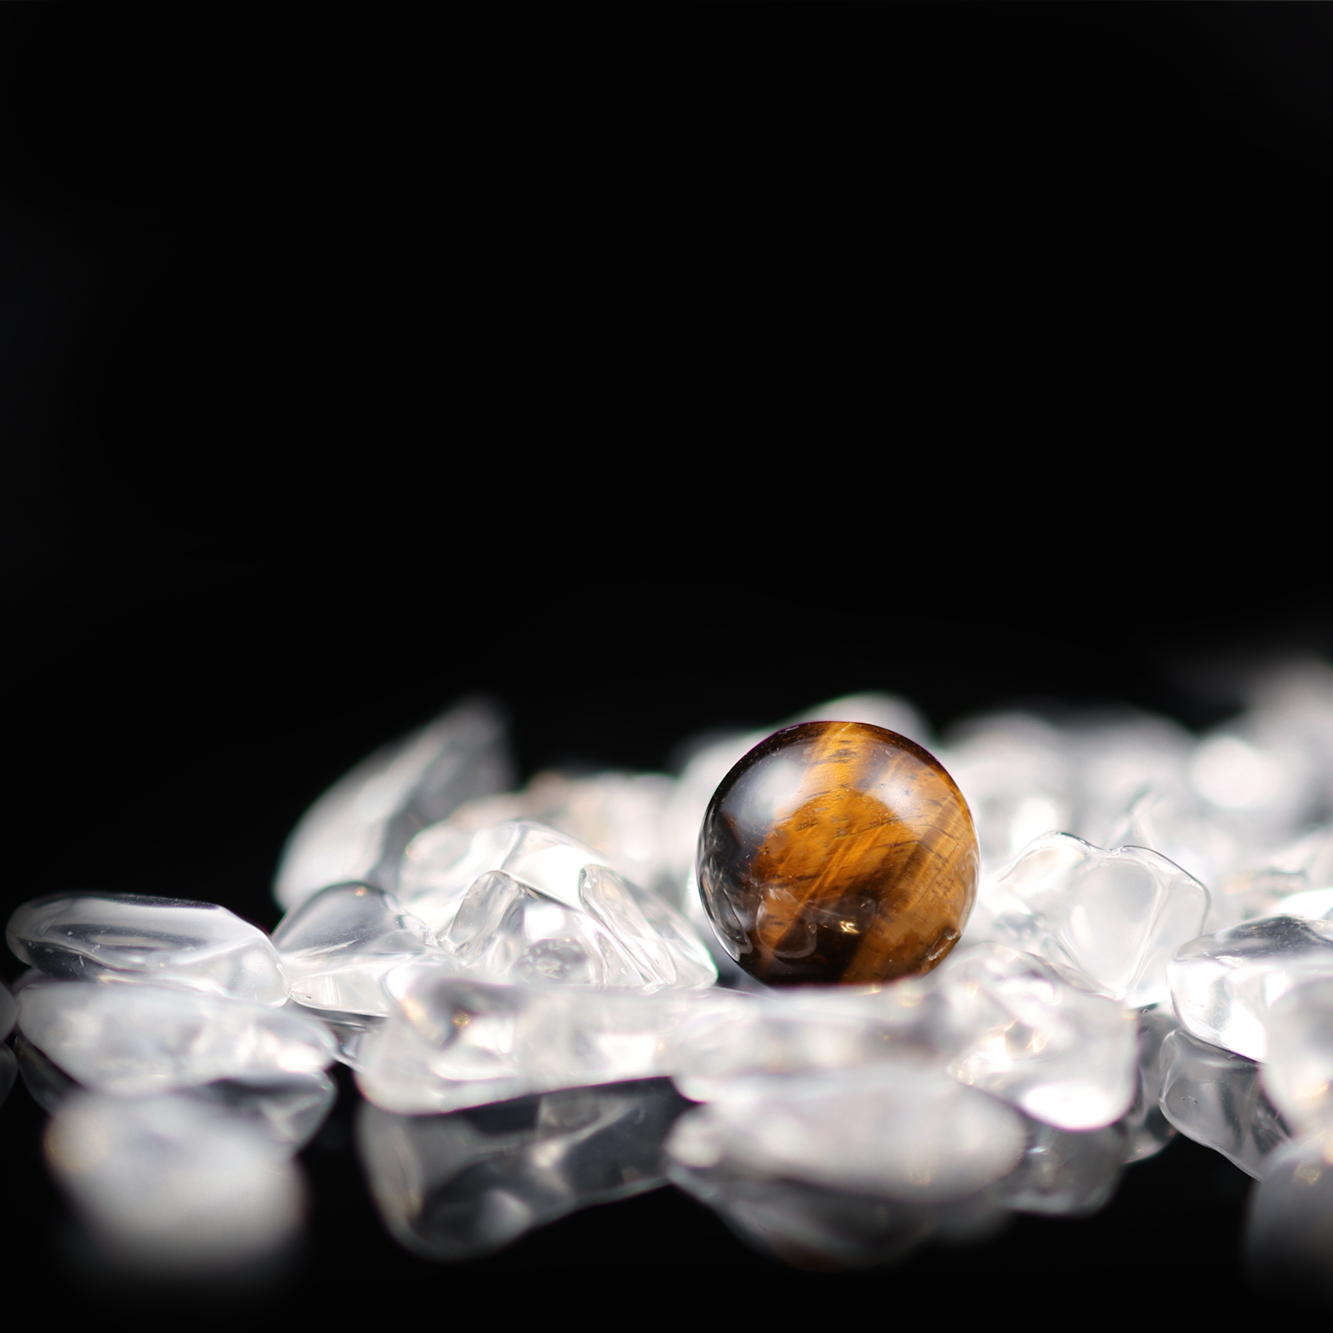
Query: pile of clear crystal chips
538, 1016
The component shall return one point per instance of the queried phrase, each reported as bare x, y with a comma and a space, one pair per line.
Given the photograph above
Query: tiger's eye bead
838, 852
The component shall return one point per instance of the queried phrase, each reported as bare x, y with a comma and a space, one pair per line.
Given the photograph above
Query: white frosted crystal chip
135, 1041
524, 903
1217, 1099
462, 1185
1223, 985
127, 937
893, 1130
451, 1042
1299, 1067
172, 1185
340, 942
1112, 918
9, 1010
1018, 1031
358, 828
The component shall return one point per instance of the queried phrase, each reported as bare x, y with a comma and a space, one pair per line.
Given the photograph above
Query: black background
655, 369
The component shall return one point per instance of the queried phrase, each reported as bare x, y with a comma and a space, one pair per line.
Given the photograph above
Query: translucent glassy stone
1064, 1173
819, 1228
1299, 1069
1217, 1099
993, 1018
136, 1041
358, 828
9, 1010
173, 1186
1289, 1223
1018, 1031
462, 1185
452, 1043
337, 946
125, 937
1147, 1130
288, 1107
893, 1130
837, 852
622, 815
1108, 919
524, 903
1224, 985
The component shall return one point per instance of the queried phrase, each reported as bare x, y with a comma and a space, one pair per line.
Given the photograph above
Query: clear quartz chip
340, 942
1063, 1172
462, 1185
162, 941
1019, 1032
1287, 1223
996, 1019
1223, 985
894, 1130
521, 902
1299, 1068
1147, 1130
451, 1042
172, 1186
137, 1041
358, 828
288, 1107
1109, 919
1217, 1099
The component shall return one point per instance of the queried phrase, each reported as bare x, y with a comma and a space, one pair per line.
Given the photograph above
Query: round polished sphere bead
838, 852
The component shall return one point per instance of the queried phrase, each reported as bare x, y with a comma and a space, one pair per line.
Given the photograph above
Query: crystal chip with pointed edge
1224, 985
127, 937
338, 945
136, 1041
521, 902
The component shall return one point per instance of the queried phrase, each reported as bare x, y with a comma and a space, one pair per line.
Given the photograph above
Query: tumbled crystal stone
358, 828
1223, 985
895, 1130
1289, 1223
451, 1042
1217, 1099
521, 902
1299, 1068
288, 1107
1108, 919
135, 1041
837, 852
462, 1185
339, 943
1019, 1032
1147, 1130
173, 1186
1068, 1173
128, 937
